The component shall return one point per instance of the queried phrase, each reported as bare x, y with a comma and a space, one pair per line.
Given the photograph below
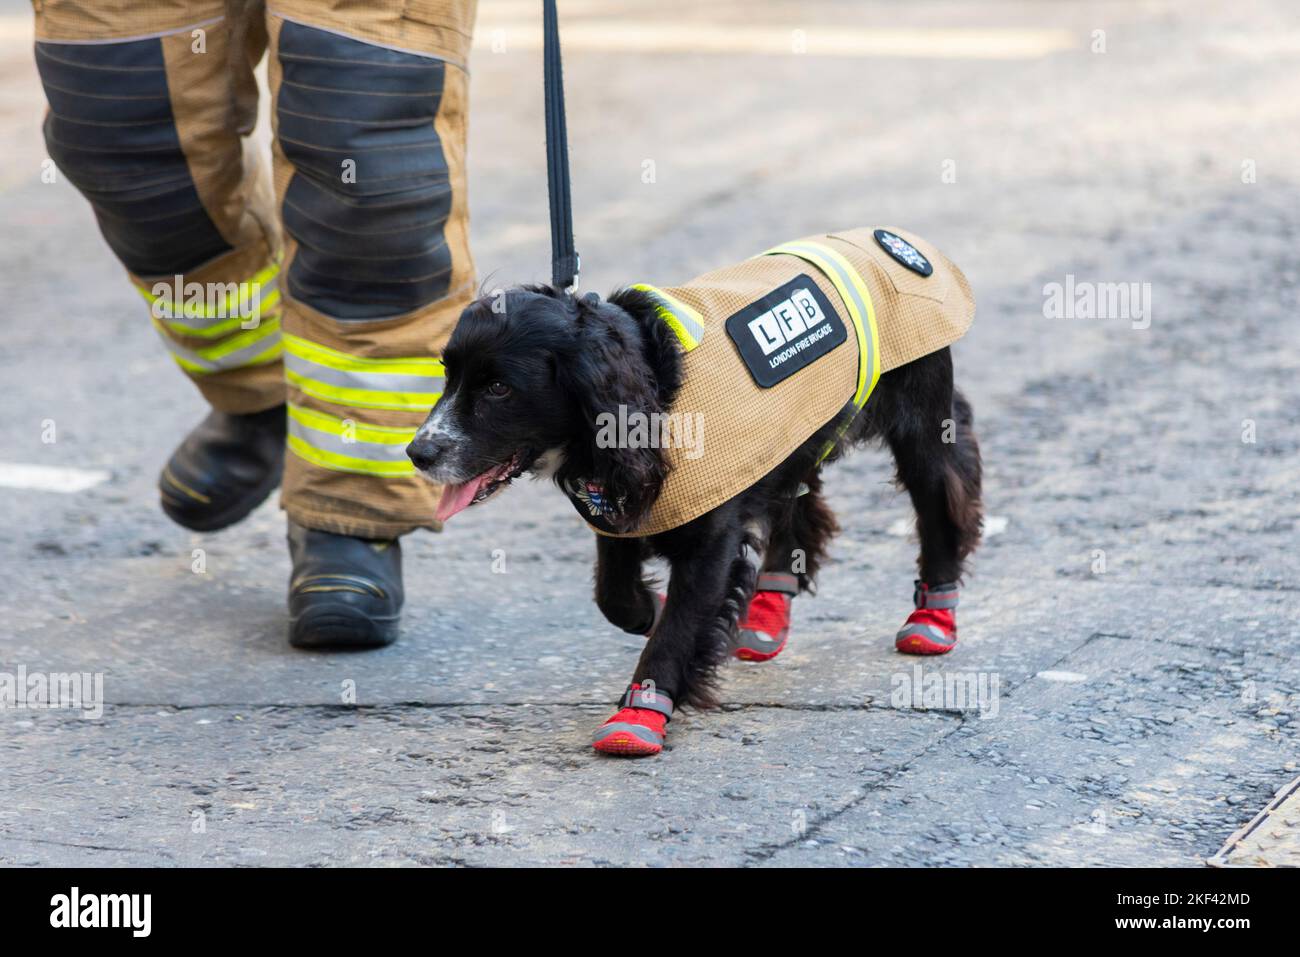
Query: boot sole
235, 513
338, 626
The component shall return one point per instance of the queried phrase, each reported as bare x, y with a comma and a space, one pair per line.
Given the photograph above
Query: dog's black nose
425, 452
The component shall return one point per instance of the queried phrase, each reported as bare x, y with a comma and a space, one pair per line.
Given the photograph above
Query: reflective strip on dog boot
638, 727
932, 628
937, 596
763, 632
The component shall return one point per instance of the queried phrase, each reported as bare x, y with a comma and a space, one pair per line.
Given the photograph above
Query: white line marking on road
1069, 677
50, 478
631, 36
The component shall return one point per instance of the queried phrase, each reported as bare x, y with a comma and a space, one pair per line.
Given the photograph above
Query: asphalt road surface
1132, 612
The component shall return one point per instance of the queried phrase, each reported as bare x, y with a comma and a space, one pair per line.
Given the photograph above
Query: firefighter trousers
329, 282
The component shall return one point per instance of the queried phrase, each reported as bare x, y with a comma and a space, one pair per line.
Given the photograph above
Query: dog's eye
498, 390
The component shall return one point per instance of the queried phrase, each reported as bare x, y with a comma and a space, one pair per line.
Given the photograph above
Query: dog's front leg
623, 595
709, 586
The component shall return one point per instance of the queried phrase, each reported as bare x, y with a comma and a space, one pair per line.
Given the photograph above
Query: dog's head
530, 374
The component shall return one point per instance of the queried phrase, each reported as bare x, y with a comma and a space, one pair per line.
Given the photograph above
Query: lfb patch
787, 330
903, 251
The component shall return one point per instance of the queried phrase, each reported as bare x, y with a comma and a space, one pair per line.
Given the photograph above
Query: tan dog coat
780, 345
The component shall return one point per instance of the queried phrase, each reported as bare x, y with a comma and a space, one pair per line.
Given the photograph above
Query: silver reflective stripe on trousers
351, 447
368, 381
267, 339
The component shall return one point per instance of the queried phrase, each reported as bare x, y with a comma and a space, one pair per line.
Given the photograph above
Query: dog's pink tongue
456, 498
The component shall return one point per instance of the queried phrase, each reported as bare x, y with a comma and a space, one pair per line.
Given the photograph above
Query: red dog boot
932, 628
638, 727
764, 630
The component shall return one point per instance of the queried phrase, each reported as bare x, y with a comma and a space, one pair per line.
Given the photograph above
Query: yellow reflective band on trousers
857, 299
685, 322
345, 445
236, 303
410, 384
249, 348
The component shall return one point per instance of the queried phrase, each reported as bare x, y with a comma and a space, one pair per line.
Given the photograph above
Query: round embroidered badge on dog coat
593, 503
903, 251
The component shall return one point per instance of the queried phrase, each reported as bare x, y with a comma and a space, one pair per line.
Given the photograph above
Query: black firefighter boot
224, 469
345, 592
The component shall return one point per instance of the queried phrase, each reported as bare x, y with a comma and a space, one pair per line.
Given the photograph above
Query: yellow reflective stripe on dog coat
685, 322
780, 345
857, 297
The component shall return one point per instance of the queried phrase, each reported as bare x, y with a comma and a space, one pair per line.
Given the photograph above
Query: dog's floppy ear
614, 388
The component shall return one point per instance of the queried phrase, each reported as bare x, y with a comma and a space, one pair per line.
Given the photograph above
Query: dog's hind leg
938, 462
711, 579
802, 528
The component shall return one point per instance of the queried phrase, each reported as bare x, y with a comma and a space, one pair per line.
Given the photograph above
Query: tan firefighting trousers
331, 282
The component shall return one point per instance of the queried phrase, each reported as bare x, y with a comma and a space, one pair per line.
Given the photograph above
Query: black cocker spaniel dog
530, 373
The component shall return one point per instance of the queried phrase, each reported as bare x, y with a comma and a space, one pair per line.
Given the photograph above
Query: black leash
564, 258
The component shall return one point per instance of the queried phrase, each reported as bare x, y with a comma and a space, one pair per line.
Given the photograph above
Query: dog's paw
932, 628
919, 638
762, 633
638, 728
631, 733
